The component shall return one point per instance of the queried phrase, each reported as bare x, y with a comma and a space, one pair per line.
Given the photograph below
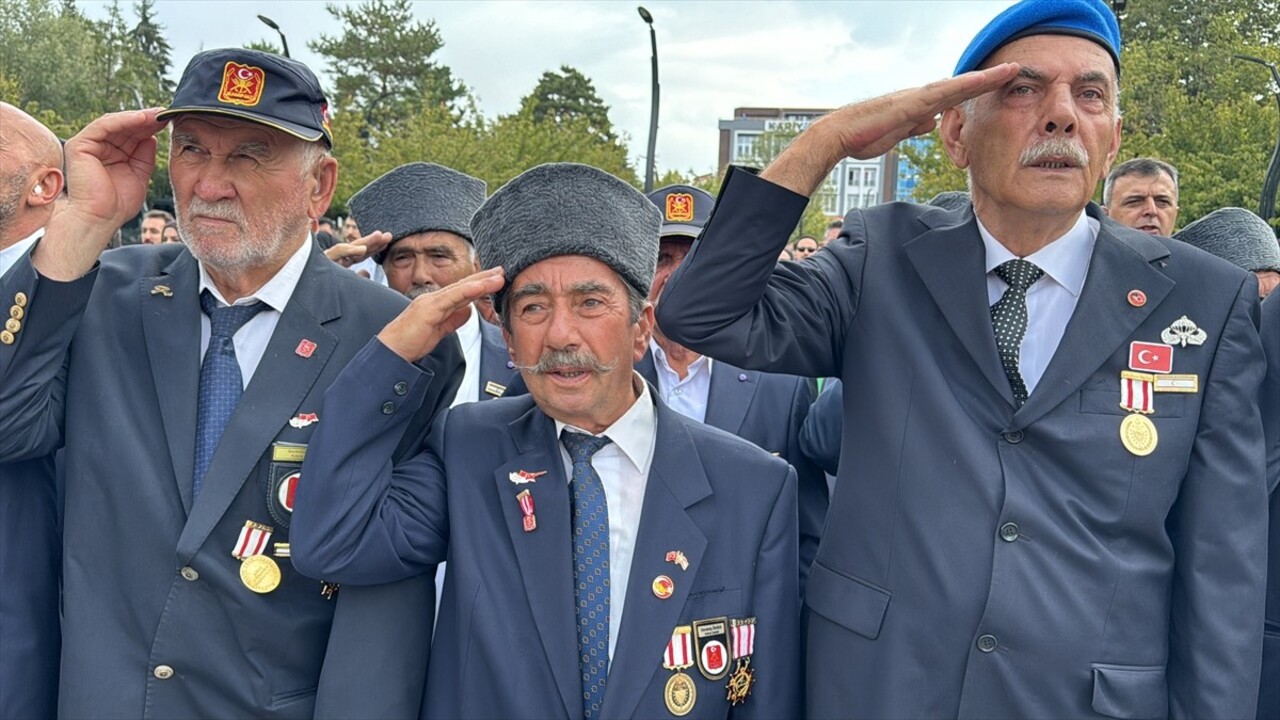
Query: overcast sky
713, 55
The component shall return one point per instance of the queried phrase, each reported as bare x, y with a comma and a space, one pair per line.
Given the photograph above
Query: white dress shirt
687, 395
469, 339
623, 467
251, 339
10, 255
371, 266
1052, 299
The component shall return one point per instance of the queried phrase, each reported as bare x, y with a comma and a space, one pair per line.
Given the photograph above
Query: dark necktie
1009, 318
220, 382
590, 567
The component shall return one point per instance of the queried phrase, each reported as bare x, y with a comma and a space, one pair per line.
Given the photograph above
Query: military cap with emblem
1089, 19
416, 198
256, 86
685, 209
568, 209
1237, 236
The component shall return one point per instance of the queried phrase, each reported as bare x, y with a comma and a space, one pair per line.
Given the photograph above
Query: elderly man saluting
608, 557
1052, 503
184, 381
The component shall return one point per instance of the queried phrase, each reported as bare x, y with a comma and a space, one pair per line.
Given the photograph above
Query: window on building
744, 146
869, 176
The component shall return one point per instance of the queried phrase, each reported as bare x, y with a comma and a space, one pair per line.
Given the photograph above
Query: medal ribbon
679, 653
253, 539
743, 634
1136, 391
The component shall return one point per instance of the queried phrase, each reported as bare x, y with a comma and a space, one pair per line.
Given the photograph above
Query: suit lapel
279, 385
545, 555
1103, 319
730, 396
648, 369
951, 261
493, 361
676, 482
171, 327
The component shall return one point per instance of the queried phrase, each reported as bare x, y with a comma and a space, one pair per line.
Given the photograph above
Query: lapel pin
162, 290
742, 377
663, 587
302, 420
511, 365
1183, 332
305, 348
1150, 357
328, 590
1137, 298
521, 477
525, 498
677, 557
494, 389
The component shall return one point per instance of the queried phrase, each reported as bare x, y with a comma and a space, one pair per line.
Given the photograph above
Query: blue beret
1089, 19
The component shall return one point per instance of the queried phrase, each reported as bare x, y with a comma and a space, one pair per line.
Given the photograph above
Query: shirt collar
276, 291
660, 359
18, 249
1065, 260
635, 432
469, 332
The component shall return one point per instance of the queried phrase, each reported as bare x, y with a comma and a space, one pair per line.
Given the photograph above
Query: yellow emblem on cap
242, 84
679, 207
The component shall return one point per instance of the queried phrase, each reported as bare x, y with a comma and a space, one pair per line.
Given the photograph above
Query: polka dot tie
220, 382
590, 567
1009, 318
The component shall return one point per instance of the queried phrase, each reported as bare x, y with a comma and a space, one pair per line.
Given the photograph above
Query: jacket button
401, 388
163, 672
189, 573
1013, 437
987, 643
388, 408
1009, 532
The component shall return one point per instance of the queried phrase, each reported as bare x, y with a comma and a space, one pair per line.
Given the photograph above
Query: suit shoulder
137, 261
493, 414
365, 293
719, 448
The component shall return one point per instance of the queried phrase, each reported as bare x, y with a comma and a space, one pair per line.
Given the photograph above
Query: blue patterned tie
220, 381
1009, 318
590, 567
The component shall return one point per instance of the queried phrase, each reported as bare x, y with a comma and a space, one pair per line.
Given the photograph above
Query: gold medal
739, 684
260, 574
1139, 435
680, 694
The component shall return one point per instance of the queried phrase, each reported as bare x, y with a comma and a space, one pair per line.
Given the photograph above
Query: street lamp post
653, 105
272, 24
1267, 203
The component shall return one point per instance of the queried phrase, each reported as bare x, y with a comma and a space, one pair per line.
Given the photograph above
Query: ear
326, 183
951, 133
46, 187
643, 331
1105, 210
1115, 147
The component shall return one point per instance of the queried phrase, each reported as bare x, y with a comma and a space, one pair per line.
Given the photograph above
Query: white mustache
220, 210
1055, 148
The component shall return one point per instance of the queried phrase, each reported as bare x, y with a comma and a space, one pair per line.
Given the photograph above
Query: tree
768, 145
148, 37
382, 63
569, 95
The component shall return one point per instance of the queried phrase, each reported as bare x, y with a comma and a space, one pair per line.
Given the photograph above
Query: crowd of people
564, 449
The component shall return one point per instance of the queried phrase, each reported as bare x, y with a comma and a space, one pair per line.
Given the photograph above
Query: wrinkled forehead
564, 274
1057, 56
210, 129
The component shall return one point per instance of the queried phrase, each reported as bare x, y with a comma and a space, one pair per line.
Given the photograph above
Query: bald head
30, 174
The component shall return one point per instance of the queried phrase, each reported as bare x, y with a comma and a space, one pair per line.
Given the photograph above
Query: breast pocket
1096, 400
721, 602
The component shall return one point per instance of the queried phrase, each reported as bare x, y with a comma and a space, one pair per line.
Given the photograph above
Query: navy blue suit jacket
109, 364
506, 641
1269, 695
823, 429
496, 368
991, 559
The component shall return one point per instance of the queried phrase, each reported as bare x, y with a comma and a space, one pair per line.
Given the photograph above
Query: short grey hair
636, 303
1138, 167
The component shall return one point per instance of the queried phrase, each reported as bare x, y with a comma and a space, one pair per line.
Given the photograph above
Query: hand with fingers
108, 168
348, 254
418, 328
872, 127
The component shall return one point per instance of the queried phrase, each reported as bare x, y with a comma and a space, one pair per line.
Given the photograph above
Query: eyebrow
590, 286
528, 291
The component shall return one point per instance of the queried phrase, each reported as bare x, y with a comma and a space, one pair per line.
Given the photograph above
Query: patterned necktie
220, 382
1009, 318
590, 567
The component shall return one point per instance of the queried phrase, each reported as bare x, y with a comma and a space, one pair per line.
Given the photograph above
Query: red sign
241, 84
305, 348
1151, 357
679, 207
713, 657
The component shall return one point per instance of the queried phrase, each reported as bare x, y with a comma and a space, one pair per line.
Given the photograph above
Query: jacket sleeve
1218, 527
824, 427
361, 518
731, 299
811, 484
1269, 400
779, 686
33, 378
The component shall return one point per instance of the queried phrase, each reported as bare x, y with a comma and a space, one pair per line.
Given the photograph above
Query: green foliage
569, 96
382, 64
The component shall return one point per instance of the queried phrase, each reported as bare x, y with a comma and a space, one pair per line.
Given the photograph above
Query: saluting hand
109, 166
348, 254
872, 127
418, 328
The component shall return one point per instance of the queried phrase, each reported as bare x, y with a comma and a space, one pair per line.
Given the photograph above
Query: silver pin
1183, 332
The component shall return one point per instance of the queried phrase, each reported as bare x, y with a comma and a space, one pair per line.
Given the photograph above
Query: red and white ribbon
1136, 390
253, 539
743, 634
679, 653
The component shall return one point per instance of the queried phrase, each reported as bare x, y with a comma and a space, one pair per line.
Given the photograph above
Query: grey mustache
554, 360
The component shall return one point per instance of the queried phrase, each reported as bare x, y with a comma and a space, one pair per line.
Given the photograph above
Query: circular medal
1138, 434
260, 573
680, 694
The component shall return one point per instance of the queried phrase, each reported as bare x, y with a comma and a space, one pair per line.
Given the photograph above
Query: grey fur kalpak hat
1237, 236
568, 209
415, 198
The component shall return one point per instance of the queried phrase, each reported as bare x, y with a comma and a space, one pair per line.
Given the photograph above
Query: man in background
1143, 194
